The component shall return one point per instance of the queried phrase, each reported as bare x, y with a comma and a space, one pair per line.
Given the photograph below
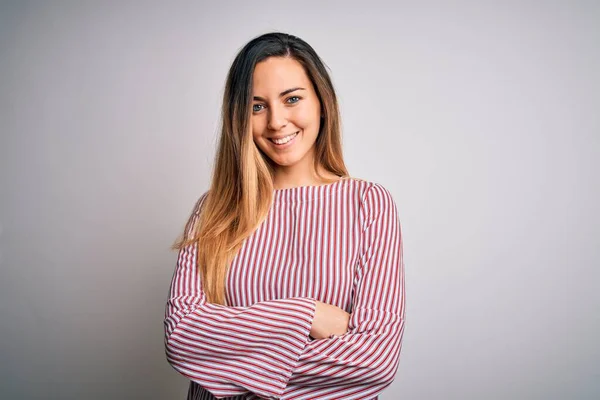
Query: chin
284, 163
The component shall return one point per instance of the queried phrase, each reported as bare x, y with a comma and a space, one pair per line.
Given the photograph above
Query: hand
329, 320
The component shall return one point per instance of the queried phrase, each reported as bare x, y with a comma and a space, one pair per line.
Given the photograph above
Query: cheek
258, 127
308, 117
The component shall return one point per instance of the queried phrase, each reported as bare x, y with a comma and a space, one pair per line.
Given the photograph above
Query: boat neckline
297, 194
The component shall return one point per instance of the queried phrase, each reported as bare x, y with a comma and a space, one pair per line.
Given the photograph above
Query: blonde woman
289, 282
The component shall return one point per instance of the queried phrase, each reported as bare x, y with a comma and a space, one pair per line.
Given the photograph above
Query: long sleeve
361, 363
232, 350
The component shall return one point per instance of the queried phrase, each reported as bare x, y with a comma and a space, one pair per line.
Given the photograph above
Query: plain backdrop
481, 118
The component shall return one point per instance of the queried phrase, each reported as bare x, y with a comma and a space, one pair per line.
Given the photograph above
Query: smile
285, 140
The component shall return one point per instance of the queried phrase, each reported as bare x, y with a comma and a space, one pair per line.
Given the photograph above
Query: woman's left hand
329, 320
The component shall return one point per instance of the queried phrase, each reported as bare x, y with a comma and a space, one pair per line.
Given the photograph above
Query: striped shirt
338, 243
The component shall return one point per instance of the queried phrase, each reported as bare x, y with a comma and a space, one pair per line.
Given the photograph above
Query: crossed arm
265, 350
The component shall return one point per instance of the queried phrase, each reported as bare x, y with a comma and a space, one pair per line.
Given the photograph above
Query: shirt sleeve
232, 350
361, 363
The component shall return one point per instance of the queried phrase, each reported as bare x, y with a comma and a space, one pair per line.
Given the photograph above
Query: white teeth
285, 139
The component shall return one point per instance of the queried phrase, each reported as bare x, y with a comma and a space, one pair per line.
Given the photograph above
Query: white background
481, 118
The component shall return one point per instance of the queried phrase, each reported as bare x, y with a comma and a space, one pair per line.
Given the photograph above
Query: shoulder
199, 203
202, 199
375, 198
372, 191
193, 219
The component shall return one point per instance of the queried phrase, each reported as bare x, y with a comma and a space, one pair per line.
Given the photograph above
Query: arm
362, 362
232, 350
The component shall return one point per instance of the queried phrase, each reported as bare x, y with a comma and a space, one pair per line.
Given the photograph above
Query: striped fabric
338, 243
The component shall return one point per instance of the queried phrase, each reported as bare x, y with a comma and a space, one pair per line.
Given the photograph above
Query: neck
301, 174
288, 181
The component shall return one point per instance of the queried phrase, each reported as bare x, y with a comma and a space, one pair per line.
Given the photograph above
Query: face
286, 112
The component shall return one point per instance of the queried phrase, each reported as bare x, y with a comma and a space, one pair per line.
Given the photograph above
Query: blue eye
255, 107
293, 97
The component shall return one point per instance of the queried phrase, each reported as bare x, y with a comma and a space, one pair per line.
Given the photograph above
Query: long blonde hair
241, 188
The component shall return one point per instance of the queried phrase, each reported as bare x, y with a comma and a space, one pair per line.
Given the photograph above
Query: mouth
286, 141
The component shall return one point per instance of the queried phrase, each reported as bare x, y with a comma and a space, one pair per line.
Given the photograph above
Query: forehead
277, 74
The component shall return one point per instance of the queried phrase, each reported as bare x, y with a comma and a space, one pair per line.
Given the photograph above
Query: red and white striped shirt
338, 243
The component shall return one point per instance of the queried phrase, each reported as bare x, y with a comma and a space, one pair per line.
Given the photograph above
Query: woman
290, 280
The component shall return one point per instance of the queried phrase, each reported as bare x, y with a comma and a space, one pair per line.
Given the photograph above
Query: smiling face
286, 112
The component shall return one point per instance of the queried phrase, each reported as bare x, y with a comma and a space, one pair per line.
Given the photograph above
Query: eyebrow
282, 93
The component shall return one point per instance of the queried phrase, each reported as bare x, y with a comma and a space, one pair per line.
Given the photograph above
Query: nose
277, 118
